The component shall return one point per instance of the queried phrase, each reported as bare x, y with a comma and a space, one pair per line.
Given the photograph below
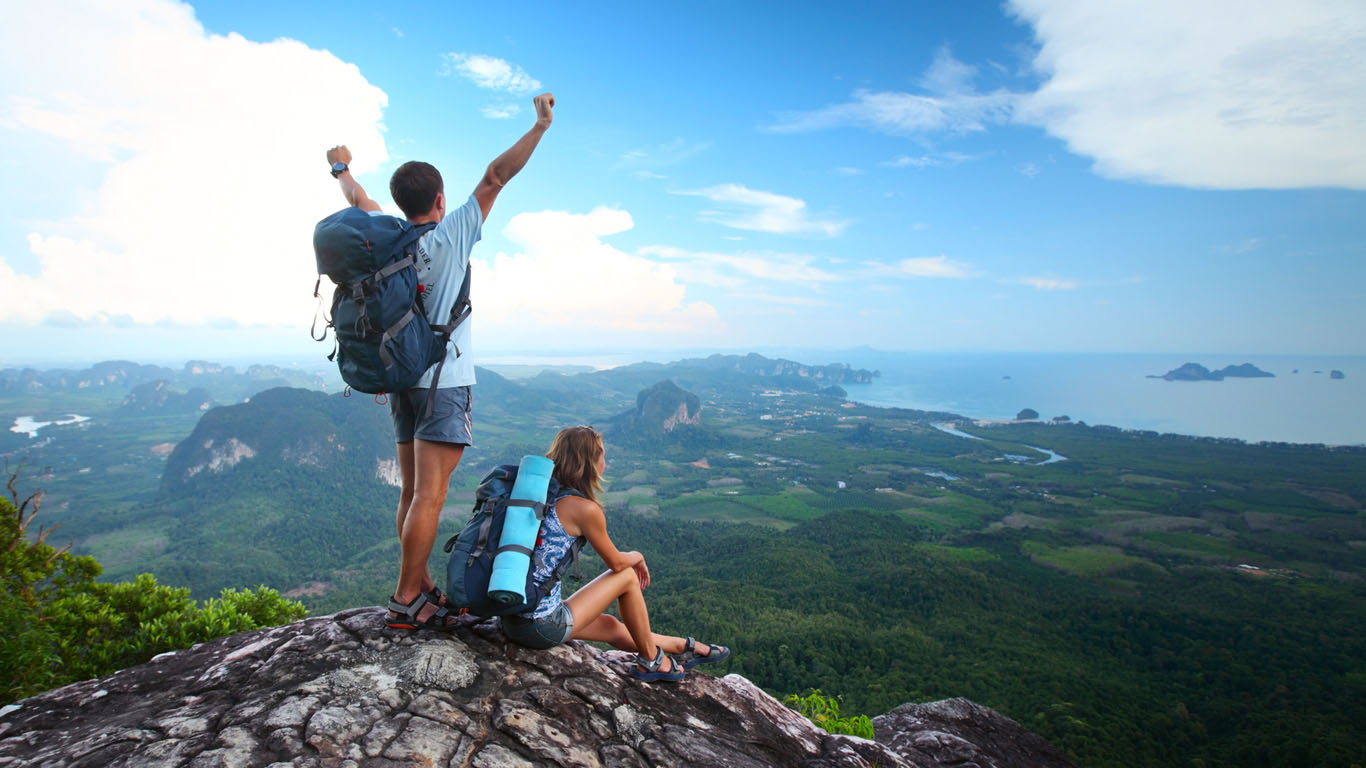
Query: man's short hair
414, 187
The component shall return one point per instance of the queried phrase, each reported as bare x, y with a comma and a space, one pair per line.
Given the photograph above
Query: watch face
338, 167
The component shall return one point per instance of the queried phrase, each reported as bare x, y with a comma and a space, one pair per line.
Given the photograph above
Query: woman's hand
642, 571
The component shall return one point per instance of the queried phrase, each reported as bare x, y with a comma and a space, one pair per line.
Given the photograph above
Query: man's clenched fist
545, 103
339, 154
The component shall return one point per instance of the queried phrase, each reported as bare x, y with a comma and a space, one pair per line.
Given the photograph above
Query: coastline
1114, 390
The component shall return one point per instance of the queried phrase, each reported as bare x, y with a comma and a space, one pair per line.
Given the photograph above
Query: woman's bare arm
588, 518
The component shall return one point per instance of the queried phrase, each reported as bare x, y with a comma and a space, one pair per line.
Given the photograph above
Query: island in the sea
1198, 372
1337, 375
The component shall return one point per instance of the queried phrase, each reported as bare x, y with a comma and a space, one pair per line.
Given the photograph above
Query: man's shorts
448, 422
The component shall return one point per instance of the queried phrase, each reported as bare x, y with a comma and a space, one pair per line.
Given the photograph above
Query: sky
1035, 175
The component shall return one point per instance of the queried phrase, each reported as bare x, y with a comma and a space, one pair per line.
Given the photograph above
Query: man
431, 442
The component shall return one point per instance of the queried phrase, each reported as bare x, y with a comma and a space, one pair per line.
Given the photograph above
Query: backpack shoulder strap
571, 558
460, 310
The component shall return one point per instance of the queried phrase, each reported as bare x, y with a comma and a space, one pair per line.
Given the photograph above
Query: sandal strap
409, 609
688, 645
651, 665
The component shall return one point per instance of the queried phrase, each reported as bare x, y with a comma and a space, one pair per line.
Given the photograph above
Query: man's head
417, 190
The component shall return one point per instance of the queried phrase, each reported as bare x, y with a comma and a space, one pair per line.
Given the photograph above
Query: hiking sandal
651, 667
691, 658
406, 617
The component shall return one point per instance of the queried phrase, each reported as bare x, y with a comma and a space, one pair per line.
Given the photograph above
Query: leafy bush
63, 626
825, 711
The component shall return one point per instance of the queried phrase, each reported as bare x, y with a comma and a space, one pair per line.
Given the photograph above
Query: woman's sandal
405, 615
691, 658
651, 667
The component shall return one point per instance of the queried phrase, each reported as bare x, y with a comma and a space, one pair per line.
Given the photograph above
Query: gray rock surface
342, 690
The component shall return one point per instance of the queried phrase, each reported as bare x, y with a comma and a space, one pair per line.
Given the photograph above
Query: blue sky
1031, 176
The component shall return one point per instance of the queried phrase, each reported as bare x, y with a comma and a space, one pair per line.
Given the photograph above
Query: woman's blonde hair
576, 451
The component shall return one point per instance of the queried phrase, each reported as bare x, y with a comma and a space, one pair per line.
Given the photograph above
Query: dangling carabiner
384, 401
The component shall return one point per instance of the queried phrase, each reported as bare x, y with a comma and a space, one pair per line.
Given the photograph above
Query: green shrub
62, 625
825, 711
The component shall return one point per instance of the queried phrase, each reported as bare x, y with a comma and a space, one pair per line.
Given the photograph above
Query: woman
579, 463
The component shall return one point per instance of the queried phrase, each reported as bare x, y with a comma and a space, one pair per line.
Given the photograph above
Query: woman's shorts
546, 632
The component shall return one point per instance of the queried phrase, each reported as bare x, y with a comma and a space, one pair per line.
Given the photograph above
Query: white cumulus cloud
949, 103
761, 211
491, 73
1221, 94
566, 284
209, 151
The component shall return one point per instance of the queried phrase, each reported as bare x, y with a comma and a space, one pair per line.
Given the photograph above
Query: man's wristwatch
338, 168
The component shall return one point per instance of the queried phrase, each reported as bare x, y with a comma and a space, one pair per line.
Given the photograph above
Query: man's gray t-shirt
443, 255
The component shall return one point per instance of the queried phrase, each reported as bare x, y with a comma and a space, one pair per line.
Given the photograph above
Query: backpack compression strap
482, 544
459, 312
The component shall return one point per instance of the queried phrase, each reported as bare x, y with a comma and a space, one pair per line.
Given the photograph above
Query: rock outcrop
342, 690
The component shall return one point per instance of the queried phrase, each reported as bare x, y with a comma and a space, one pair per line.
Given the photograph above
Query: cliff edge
342, 690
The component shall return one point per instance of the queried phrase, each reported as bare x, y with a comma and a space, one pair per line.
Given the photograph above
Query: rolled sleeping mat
507, 582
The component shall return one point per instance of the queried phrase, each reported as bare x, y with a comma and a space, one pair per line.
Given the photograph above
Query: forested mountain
276, 490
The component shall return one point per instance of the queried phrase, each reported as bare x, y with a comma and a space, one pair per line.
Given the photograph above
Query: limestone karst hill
341, 690
660, 410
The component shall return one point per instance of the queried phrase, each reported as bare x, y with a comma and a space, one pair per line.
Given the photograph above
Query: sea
1300, 404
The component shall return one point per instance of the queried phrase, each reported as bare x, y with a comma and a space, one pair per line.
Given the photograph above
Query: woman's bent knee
627, 581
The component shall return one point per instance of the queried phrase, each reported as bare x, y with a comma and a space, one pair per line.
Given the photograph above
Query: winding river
28, 425
1053, 456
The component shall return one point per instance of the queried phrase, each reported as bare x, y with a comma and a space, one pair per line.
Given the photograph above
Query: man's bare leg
406, 472
432, 464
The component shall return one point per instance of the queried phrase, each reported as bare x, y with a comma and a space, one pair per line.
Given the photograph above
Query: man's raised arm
506, 165
339, 158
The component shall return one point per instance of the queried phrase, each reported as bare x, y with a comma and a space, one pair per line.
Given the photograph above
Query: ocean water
1304, 407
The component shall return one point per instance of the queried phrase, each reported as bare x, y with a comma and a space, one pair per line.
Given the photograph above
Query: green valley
1137, 599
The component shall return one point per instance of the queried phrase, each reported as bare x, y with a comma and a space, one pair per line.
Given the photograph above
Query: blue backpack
384, 342
473, 549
